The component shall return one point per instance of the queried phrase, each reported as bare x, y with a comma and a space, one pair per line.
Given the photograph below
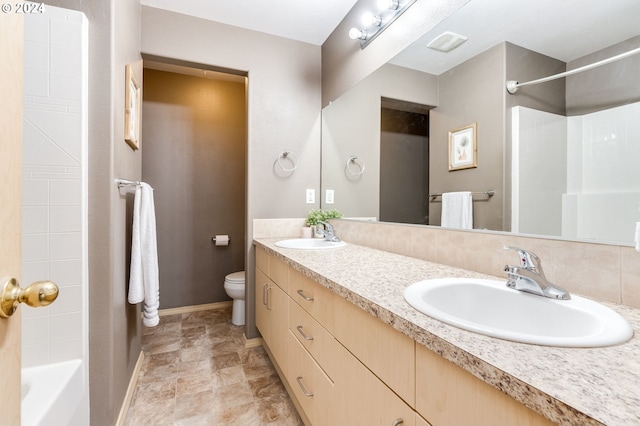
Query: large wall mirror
560, 158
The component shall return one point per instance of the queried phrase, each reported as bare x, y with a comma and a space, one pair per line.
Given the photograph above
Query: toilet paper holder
214, 239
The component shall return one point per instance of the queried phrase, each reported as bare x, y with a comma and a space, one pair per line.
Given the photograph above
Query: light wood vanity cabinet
389, 354
344, 366
448, 395
272, 303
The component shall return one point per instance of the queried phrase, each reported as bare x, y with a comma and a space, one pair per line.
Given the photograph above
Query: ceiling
309, 21
564, 30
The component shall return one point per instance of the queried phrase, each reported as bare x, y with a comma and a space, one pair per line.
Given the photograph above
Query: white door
11, 60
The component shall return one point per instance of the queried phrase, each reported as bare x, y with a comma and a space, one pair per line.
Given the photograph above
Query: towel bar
489, 193
125, 182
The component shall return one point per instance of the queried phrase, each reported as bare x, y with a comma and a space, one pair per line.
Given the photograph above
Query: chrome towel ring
291, 157
352, 169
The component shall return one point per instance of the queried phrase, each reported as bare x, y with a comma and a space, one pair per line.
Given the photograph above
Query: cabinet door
363, 399
278, 311
448, 395
383, 349
262, 313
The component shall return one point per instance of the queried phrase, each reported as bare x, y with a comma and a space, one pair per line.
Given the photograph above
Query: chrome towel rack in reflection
125, 182
489, 193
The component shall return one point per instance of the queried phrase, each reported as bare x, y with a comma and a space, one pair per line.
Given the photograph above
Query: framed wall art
463, 148
133, 98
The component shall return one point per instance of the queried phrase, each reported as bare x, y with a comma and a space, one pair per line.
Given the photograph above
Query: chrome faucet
529, 277
329, 233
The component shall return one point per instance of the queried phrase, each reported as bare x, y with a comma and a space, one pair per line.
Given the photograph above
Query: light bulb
369, 19
389, 4
355, 34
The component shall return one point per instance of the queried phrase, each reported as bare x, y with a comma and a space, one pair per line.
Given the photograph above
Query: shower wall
54, 190
539, 171
603, 175
579, 177
54, 184
194, 143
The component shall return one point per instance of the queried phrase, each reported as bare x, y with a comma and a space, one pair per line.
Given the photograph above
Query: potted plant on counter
316, 216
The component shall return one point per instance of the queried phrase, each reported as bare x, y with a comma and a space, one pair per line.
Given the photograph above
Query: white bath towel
144, 283
457, 210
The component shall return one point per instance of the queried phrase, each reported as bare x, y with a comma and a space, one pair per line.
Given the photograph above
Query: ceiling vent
446, 41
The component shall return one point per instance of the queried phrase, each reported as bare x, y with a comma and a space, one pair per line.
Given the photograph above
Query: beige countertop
573, 386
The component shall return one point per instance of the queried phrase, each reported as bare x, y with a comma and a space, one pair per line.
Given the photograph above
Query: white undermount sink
489, 307
309, 243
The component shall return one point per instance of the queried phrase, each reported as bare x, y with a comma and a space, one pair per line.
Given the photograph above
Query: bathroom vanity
350, 350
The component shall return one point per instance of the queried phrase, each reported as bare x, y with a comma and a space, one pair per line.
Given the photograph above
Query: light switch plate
311, 196
328, 198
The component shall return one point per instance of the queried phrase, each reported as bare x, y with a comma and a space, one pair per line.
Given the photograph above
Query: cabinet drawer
369, 402
448, 395
310, 386
262, 259
316, 340
312, 297
383, 349
278, 272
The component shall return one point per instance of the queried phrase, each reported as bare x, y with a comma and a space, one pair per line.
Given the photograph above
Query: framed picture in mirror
133, 97
463, 148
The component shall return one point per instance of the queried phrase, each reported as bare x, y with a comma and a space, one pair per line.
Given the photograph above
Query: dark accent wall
194, 157
404, 166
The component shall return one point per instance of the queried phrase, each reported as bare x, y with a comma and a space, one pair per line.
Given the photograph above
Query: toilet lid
236, 277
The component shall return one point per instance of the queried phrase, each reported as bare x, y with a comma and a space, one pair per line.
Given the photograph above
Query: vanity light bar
374, 24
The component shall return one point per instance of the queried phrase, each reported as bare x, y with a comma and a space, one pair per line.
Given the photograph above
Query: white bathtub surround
589, 164
55, 190
144, 278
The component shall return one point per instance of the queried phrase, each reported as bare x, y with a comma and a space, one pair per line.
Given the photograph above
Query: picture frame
132, 99
463, 148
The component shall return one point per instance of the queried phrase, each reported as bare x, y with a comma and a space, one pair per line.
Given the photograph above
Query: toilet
234, 286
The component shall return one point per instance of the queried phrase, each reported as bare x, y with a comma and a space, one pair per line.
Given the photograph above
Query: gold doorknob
40, 293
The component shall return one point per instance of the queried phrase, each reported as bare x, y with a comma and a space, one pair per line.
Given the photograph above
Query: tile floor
197, 371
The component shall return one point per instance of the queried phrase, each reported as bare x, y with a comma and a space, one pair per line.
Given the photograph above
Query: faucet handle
528, 260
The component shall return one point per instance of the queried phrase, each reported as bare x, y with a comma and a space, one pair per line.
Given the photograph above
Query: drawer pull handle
397, 422
264, 294
304, 391
303, 334
307, 298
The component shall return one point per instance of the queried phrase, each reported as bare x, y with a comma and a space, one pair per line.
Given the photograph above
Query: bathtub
52, 393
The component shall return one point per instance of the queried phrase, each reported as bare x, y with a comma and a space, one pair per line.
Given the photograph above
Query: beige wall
470, 93
351, 126
284, 101
607, 86
343, 62
194, 157
114, 326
